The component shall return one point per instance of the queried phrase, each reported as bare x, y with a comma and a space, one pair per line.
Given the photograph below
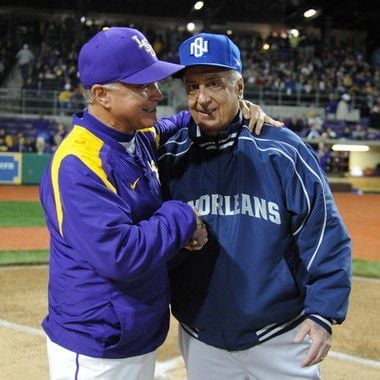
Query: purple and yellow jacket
111, 237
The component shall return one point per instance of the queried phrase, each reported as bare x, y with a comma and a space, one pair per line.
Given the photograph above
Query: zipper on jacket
221, 276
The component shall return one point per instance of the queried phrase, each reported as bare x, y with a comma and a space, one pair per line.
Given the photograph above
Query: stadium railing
20, 101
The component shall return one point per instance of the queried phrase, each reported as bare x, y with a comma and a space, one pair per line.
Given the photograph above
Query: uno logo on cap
144, 44
198, 47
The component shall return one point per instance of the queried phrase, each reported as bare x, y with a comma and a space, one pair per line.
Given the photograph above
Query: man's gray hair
234, 76
87, 93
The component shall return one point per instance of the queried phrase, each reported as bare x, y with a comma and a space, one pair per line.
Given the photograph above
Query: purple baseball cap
121, 55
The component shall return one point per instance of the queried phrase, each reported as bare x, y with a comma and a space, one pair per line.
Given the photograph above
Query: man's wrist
322, 321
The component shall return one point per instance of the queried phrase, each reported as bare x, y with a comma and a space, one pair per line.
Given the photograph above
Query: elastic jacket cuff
322, 321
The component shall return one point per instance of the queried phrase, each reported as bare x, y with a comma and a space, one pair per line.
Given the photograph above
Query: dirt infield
23, 301
19, 193
360, 214
23, 238
23, 295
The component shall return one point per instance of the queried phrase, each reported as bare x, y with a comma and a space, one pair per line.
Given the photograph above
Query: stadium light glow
356, 171
199, 5
82, 19
266, 46
190, 27
310, 13
294, 32
350, 148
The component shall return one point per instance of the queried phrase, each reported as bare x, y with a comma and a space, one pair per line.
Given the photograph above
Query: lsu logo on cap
144, 44
198, 47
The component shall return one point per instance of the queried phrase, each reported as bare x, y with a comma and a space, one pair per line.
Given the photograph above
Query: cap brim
154, 73
179, 74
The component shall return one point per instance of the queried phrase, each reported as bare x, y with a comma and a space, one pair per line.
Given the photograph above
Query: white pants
277, 359
68, 365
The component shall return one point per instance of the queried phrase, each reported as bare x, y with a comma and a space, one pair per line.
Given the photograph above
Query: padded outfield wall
22, 168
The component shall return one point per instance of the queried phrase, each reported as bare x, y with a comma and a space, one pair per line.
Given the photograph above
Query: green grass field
24, 257
30, 214
21, 214
366, 268
359, 267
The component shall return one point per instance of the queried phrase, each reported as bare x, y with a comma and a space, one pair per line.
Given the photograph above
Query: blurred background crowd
38, 56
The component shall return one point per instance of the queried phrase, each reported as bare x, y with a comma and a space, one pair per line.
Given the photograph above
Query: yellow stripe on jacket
84, 145
153, 131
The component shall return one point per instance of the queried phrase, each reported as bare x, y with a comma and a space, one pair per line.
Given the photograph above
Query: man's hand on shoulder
320, 341
257, 117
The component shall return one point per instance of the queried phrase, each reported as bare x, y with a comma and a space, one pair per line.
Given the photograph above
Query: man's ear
240, 88
101, 95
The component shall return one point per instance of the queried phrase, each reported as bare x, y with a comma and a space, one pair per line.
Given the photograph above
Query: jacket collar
109, 135
224, 140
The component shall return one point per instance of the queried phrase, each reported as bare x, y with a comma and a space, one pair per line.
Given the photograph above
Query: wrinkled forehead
204, 71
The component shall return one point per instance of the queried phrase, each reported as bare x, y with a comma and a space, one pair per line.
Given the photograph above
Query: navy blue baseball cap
210, 49
121, 55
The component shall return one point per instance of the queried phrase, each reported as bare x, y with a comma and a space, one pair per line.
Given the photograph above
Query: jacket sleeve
98, 224
322, 240
167, 127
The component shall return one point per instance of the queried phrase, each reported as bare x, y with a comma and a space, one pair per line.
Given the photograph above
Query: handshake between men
200, 236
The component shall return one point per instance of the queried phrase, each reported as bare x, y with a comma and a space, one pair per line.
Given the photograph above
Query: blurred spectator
296, 124
29, 144
20, 143
58, 136
313, 134
10, 142
329, 134
323, 154
158, 44
359, 133
331, 107
29, 85
25, 58
42, 146
41, 127
377, 169
76, 100
64, 98
57, 139
315, 123
343, 107
346, 132
374, 116
3, 145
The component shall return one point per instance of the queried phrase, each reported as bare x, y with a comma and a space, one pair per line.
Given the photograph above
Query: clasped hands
200, 236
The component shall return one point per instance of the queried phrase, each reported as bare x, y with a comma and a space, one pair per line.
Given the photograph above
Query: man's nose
203, 96
155, 92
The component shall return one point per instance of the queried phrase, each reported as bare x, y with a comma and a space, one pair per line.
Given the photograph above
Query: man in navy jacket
111, 234
275, 275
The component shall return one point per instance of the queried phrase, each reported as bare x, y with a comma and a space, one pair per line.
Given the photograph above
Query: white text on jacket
244, 204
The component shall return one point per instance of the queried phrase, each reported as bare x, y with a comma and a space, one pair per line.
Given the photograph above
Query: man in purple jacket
111, 234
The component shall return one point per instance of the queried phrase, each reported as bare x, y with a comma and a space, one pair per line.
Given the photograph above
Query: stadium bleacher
289, 71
